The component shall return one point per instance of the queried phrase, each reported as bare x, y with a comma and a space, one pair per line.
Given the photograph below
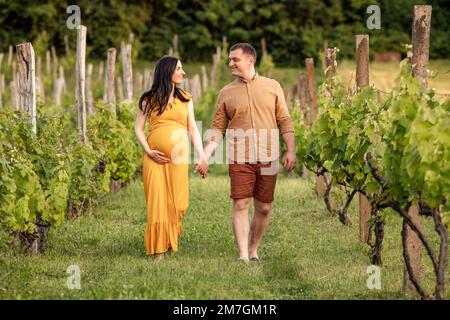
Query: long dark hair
157, 98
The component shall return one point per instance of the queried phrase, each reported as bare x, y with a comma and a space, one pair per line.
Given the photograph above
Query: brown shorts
247, 181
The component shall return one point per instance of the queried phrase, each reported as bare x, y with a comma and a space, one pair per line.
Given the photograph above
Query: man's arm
209, 149
290, 158
218, 127
286, 126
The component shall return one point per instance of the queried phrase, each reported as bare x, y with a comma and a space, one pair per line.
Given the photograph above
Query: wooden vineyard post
420, 47
196, 88
213, 71
89, 94
147, 79
421, 42
215, 65
131, 38
14, 95
414, 247
105, 83
59, 85
264, 46
138, 83
27, 104
324, 55
10, 55
2, 80
27, 82
186, 85
303, 98
330, 62
152, 75
362, 80
80, 82
54, 63
204, 79
100, 71
312, 91
175, 46
66, 45
120, 88
48, 65
15, 74
362, 61
287, 97
2, 89
63, 78
39, 80
110, 77
127, 71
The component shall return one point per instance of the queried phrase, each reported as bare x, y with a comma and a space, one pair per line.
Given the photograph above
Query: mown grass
307, 254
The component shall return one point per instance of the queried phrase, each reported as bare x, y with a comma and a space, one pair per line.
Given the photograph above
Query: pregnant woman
170, 114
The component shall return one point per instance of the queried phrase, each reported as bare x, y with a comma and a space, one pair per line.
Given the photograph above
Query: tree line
293, 30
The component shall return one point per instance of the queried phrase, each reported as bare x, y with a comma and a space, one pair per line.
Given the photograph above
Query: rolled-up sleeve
220, 121
284, 121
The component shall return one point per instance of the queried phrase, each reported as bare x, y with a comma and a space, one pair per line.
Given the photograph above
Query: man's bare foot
243, 259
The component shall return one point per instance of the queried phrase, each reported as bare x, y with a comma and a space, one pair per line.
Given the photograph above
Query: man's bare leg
259, 226
241, 226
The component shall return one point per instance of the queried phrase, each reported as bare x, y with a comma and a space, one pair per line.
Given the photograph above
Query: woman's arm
139, 127
195, 137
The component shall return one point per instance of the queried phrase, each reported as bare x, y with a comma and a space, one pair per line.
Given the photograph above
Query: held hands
158, 156
201, 167
290, 160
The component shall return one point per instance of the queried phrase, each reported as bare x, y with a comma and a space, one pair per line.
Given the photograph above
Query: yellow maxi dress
166, 186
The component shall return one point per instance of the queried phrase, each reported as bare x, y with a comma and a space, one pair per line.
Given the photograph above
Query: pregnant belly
172, 140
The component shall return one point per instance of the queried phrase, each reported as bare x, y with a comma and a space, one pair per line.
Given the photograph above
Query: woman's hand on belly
158, 156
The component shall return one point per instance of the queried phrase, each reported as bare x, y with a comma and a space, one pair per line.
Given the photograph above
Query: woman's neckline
173, 100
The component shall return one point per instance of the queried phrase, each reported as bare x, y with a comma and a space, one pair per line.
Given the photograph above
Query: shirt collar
255, 77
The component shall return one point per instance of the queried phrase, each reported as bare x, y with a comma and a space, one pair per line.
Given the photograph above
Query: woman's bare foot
159, 256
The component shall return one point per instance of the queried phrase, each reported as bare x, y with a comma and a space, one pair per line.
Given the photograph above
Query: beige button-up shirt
252, 115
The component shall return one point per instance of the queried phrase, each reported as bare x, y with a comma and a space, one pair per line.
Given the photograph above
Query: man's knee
241, 204
263, 208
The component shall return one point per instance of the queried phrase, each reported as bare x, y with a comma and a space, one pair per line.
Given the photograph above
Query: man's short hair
246, 48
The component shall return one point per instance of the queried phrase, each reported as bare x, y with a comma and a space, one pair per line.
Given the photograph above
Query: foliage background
293, 29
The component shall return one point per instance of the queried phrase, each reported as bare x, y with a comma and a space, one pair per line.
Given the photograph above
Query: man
247, 109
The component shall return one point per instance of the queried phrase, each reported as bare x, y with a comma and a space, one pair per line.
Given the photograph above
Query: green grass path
307, 253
